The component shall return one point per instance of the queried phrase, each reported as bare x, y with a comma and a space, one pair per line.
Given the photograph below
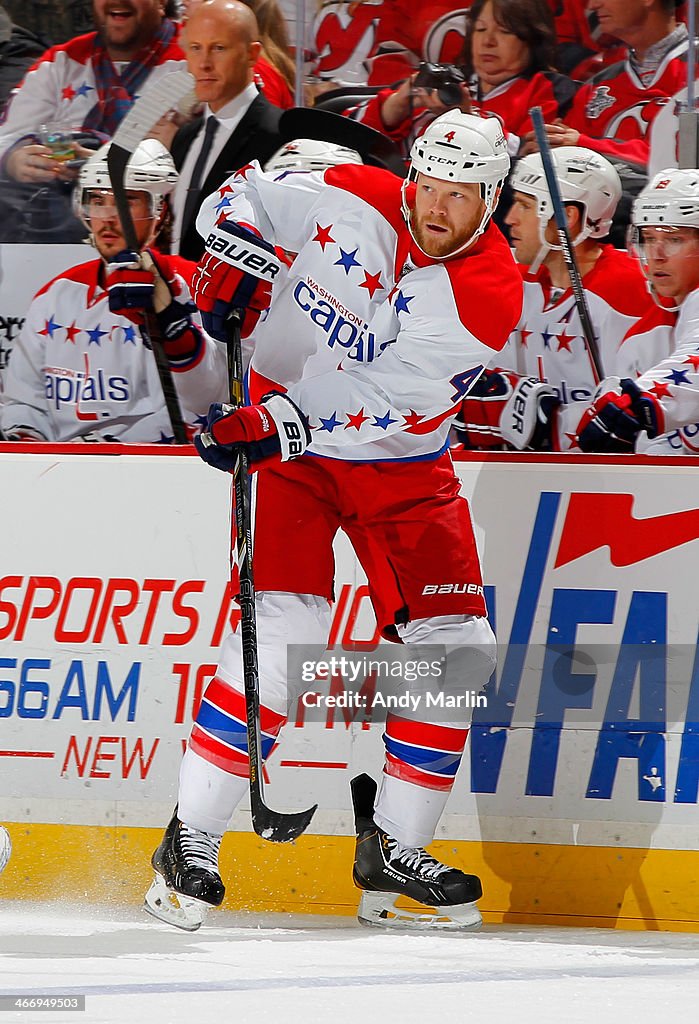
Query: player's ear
573, 218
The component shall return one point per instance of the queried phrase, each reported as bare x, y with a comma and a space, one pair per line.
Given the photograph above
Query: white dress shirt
229, 117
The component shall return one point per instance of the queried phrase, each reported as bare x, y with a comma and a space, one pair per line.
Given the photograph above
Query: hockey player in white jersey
408, 290
657, 412
547, 376
81, 368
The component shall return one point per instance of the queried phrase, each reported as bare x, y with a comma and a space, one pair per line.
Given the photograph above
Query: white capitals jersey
674, 380
78, 368
549, 344
408, 334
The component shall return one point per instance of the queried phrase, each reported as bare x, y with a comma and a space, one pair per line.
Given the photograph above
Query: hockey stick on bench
153, 104
275, 826
567, 245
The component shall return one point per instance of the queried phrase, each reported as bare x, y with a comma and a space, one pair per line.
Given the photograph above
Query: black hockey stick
567, 245
148, 108
275, 826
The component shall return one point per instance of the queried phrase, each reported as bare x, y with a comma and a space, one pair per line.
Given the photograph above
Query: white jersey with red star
78, 368
548, 342
60, 89
674, 380
409, 334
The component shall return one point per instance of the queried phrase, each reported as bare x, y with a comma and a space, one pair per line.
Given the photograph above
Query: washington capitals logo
450, 136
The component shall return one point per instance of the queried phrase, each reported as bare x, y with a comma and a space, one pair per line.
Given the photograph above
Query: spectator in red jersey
508, 62
275, 72
612, 113
583, 48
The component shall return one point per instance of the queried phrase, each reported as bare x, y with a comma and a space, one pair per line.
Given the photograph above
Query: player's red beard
441, 244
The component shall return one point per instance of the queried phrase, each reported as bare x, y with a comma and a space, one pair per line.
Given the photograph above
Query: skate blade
378, 910
174, 908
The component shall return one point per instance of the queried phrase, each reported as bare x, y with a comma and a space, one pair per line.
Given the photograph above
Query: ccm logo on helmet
453, 588
256, 261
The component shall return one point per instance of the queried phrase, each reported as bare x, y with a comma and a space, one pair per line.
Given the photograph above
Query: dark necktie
192, 200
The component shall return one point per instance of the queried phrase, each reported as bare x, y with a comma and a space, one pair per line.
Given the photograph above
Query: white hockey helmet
310, 155
466, 149
584, 177
669, 201
150, 169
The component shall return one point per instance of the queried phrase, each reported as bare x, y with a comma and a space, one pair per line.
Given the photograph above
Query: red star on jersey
523, 335
355, 420
412, 420
323, 236
71, 333
660, 390
68, 93
564, 340
242, 171
372, 283
224, 190
222, 218
694, 360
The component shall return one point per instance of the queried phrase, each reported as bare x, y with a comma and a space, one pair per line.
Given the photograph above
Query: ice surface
290, 969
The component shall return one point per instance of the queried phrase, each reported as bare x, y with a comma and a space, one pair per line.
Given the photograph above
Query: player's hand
130, 285
236, 271
503, 407
273, 431
618, 414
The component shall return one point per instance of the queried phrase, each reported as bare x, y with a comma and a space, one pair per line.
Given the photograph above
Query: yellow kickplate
523, 883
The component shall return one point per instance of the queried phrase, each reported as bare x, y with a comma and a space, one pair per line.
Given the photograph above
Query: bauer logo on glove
274, 431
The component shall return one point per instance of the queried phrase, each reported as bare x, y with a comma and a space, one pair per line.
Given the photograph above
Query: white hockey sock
408, 813
208, 796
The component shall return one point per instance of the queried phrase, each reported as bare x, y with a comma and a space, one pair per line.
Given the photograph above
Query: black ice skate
385, 869
187, 881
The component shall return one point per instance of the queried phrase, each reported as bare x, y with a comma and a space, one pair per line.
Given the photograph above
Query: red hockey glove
503, 407
618, 414
274, 431
236, 271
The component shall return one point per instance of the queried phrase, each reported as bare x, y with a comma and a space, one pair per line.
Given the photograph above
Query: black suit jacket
256, 138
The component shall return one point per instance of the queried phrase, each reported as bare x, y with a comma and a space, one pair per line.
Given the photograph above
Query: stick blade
154, 102
277, 827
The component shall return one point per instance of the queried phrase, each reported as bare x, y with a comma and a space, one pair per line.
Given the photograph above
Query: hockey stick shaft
275, 826
567, 245
146, 111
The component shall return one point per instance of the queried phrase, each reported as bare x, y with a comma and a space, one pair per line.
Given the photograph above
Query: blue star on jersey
401, 303
95, 335
347, 260
678, 376
51, 327
384, 421
330, 423
130, 335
